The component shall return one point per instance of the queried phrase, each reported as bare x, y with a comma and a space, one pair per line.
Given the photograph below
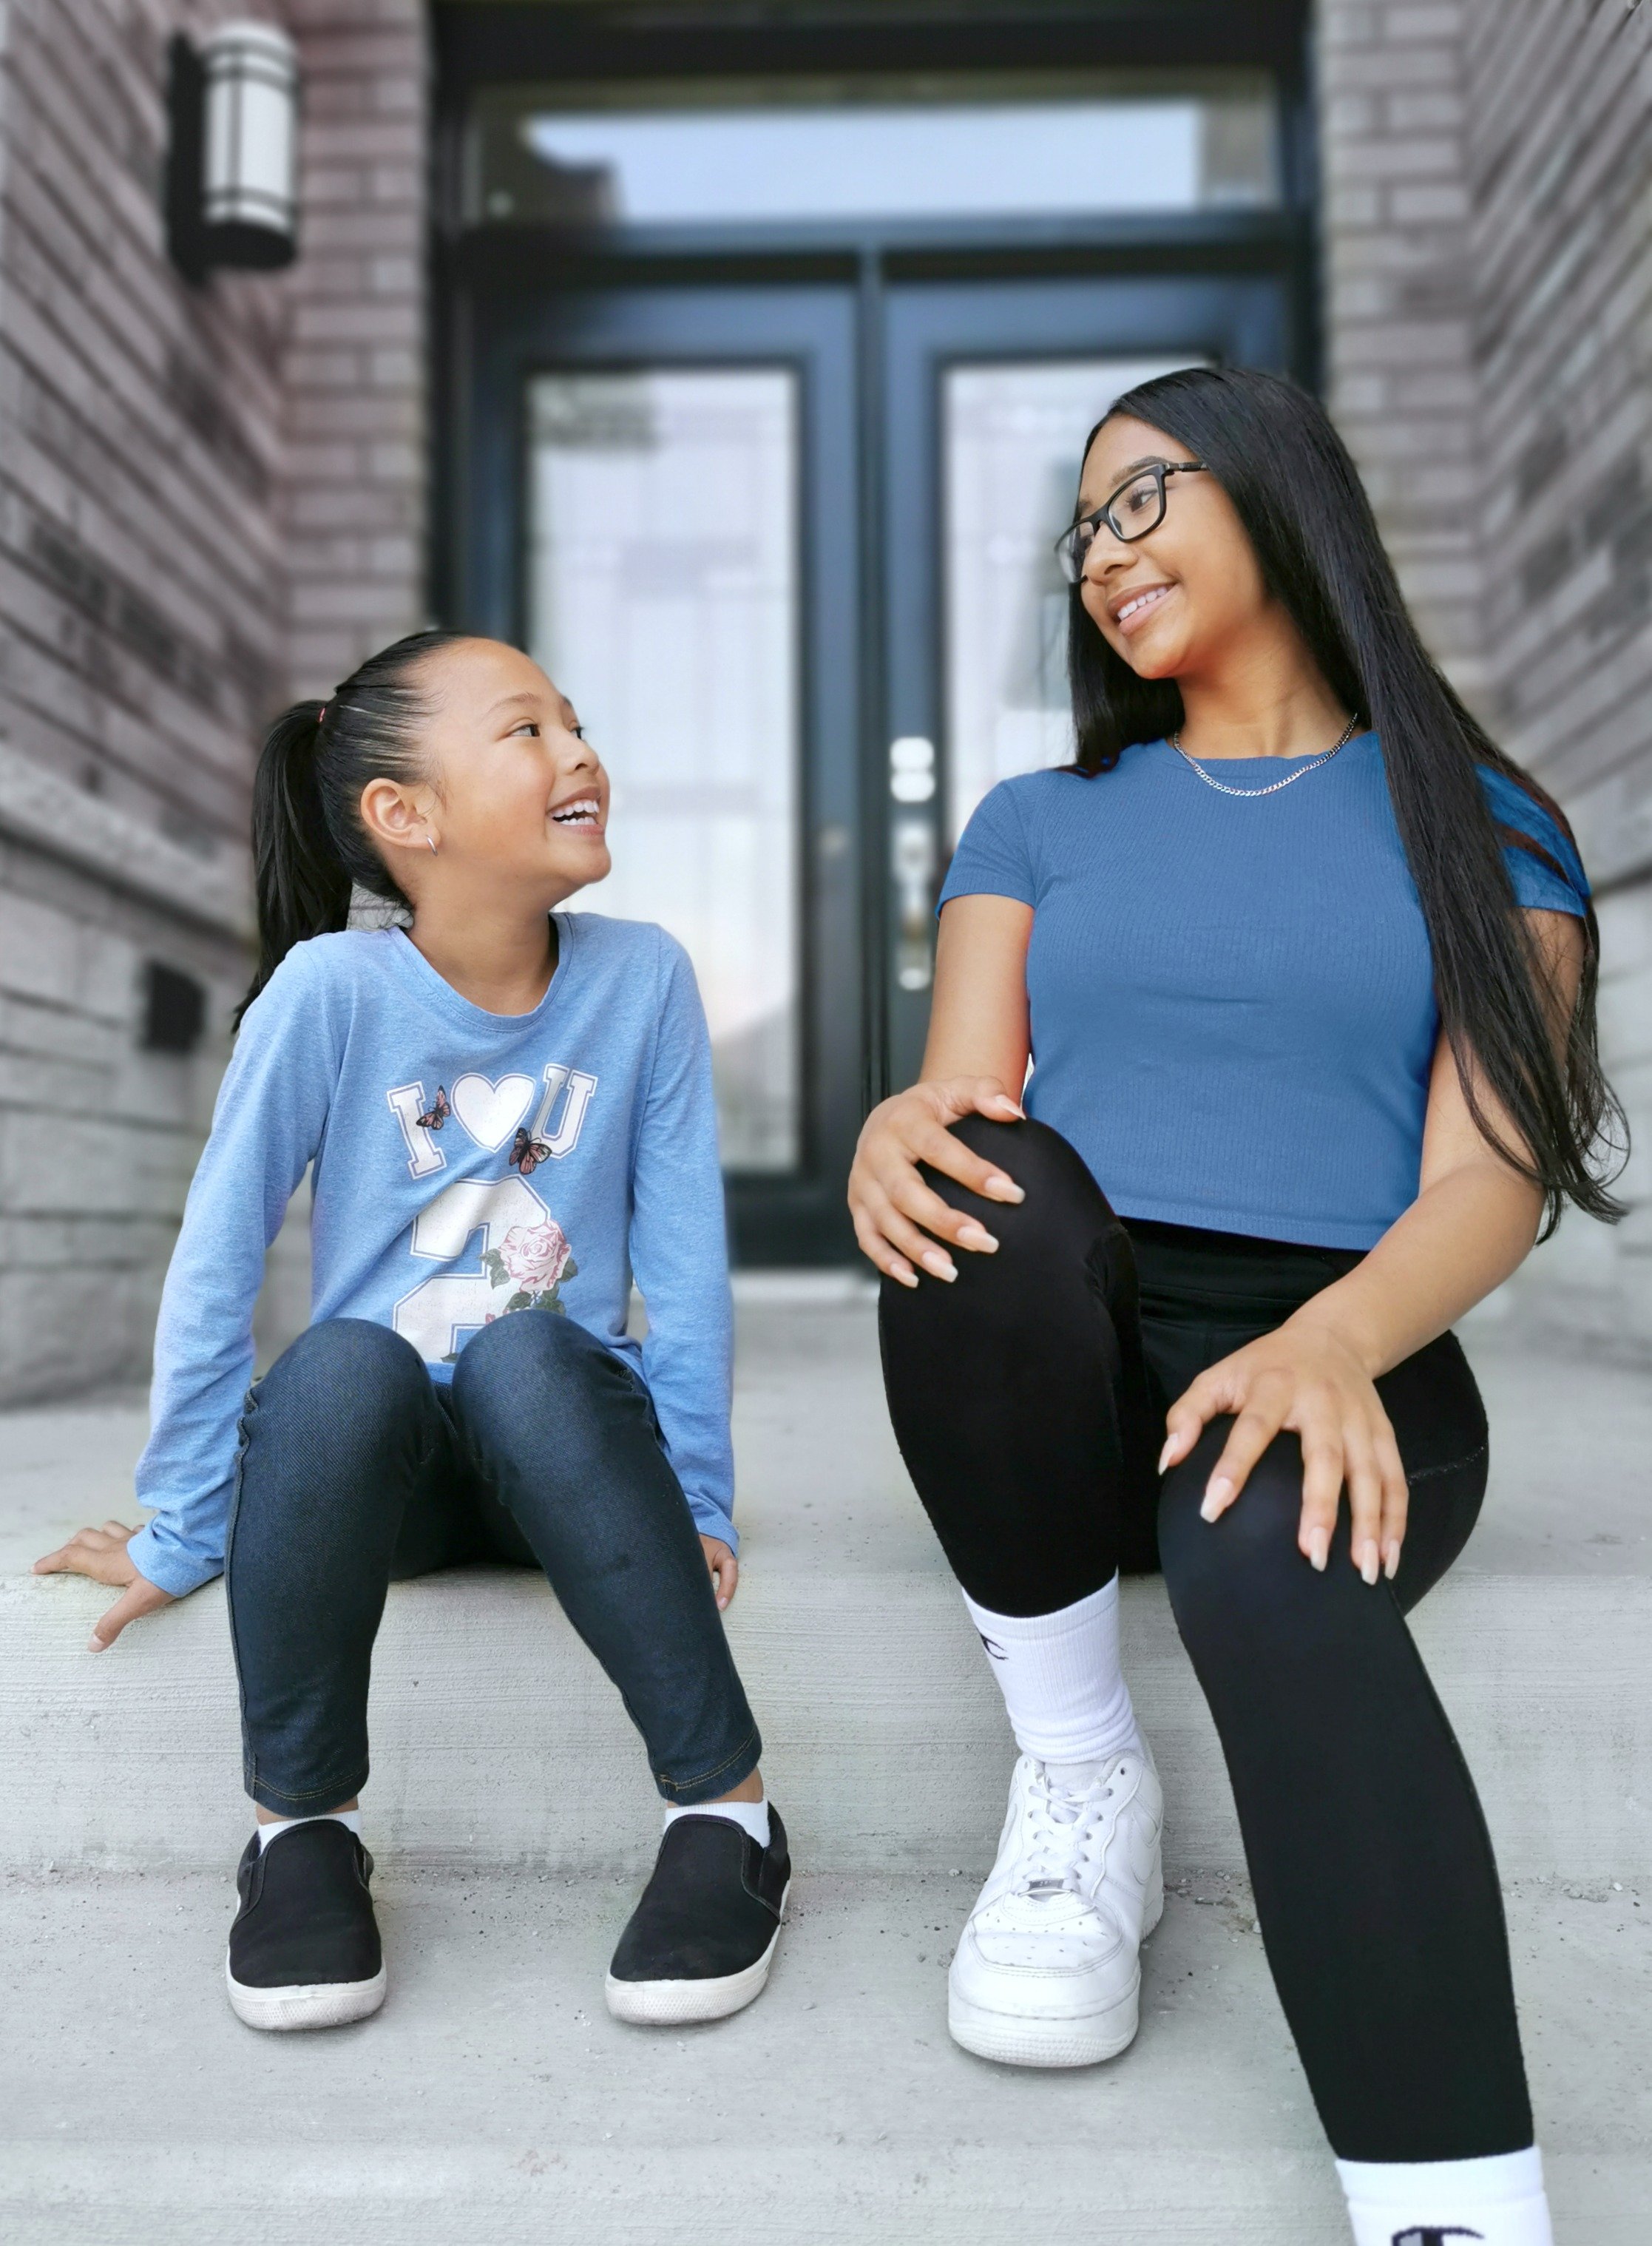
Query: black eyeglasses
1135, 508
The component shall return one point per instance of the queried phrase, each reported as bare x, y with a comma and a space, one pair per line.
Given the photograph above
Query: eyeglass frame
1159, 470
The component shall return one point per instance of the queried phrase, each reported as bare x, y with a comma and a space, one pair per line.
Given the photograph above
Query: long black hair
308, 847
1297, 492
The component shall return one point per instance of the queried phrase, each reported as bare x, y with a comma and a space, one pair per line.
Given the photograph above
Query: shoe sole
1015, 2040
679, 2004
1024, 2039
316, 2005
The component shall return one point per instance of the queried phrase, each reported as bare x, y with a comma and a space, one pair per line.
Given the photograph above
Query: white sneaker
1046, 1973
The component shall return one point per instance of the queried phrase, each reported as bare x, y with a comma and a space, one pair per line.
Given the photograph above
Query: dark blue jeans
357, 1468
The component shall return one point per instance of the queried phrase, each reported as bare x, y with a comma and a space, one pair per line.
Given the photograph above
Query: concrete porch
493, 2093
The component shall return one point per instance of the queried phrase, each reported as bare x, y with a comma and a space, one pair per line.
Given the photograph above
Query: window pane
755, 157
663, 591
1013, 439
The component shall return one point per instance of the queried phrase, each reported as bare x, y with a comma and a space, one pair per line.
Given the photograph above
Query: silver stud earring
431, 838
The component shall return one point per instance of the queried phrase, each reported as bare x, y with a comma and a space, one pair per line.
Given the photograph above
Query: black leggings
1028, 1399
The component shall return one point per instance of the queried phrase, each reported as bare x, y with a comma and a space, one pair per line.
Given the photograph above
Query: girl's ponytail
310, 851
298, 876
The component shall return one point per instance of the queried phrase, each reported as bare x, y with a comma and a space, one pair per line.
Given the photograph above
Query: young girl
509, 1111
1306, 967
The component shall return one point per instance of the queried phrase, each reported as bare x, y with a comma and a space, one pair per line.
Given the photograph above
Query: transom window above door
942, 147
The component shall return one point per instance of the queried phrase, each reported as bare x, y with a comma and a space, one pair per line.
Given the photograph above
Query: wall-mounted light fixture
232, 194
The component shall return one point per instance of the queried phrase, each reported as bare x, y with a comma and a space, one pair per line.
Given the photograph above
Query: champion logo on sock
1431, 2234
993, 1646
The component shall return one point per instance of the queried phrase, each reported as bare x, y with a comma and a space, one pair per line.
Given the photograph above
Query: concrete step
496, 1741
494, 2098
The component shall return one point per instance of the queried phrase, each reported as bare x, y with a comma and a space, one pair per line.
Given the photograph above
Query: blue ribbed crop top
1232, 1000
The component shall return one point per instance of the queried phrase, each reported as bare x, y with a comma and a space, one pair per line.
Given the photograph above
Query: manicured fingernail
1369, 1562
939, 1266
95, 1645
1390, 1566
1003, 1189
978, 1237
1318, 1547
1164, 1456
1216, 1498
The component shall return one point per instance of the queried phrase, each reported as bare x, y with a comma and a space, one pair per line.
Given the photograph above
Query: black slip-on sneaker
304, 1949
701, 1941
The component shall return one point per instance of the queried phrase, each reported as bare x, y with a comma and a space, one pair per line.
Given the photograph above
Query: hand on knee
1305, 1381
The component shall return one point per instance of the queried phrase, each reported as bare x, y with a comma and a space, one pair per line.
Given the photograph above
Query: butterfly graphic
436, 1114
528, 1153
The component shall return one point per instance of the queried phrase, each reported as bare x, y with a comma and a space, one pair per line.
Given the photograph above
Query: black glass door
786, 543
990, 386
663, 509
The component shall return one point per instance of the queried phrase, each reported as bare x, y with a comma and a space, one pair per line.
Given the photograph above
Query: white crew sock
349, 1818
753, 1815
1060, 1678
1500, 2199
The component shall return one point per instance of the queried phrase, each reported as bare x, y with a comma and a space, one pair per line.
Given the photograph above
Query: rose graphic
535, 1255
531, 1260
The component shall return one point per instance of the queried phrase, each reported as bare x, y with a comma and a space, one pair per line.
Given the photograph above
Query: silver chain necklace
1301, 773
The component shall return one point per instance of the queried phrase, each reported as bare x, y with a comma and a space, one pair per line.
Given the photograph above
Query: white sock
1433, 2203
1061, 1680
753, 1815
351, 1819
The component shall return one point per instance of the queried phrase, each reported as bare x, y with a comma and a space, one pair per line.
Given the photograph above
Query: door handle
912, 858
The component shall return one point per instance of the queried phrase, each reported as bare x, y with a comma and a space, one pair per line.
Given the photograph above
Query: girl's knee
1060, 1236
1233, 1577
540, 1344
341, 1361
1058, 1187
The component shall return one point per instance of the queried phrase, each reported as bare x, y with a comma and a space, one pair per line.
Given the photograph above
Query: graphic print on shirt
407, 1106
490, 1112
525, 1254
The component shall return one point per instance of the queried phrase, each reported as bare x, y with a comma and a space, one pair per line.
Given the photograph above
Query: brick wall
141, 623
1488, 171
1398, 301
357, 461
1558, 161
210, 497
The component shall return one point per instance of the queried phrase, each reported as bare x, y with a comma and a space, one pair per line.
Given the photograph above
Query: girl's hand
725, 1568
888, 1199
101, 1554
1305, 1377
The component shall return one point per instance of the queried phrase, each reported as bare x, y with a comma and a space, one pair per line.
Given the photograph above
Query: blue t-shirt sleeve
679, 1251
267, 1126
1549, 878
994, 857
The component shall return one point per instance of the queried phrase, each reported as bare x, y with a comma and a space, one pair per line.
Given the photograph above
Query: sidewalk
494, 2098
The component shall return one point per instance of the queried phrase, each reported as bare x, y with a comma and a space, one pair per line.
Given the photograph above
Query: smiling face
513, 795
1179, 601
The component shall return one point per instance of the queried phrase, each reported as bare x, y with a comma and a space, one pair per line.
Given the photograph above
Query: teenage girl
1305, 968
509, 1111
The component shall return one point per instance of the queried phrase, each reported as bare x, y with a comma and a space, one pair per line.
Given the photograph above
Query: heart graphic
490, 1112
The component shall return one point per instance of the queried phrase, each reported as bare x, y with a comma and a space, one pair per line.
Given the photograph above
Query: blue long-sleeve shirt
411, 1102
